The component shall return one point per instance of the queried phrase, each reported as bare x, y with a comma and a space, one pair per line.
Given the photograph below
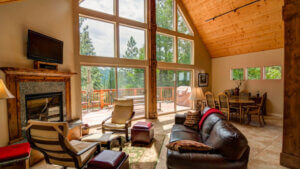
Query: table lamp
4, 92
197, 95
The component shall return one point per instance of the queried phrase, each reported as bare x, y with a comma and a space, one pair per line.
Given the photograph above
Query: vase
237, 91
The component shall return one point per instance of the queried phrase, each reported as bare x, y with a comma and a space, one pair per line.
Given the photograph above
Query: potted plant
239, 83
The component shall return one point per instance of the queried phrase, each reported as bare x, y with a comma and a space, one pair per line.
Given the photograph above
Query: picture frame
203, 80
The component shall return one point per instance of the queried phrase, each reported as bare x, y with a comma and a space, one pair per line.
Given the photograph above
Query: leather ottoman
142, 132
109, 159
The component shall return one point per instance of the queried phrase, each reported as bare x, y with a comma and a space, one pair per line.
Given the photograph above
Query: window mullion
175, 16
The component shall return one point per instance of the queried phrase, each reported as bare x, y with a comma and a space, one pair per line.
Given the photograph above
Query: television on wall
44, 48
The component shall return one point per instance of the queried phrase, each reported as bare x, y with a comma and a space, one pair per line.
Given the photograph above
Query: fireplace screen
44, 107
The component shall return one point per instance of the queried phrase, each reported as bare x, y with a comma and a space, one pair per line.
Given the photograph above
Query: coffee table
105, 139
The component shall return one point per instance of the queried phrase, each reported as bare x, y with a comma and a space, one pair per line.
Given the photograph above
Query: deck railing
104, 97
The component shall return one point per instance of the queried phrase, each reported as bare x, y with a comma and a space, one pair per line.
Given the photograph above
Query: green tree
132, 51
87, 48
273, 72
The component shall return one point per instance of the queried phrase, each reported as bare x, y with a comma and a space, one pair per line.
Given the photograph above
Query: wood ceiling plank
256, 27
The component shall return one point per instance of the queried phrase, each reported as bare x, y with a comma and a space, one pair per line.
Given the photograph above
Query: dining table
240, 101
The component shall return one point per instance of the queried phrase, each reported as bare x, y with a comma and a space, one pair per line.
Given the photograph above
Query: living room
164, 60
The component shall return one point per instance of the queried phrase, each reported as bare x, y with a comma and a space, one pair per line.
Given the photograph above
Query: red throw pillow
14, 151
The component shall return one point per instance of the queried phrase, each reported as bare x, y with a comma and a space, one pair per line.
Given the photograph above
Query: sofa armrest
180, 118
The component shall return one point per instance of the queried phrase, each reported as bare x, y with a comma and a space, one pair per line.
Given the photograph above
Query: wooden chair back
210, 100
263, 102
244, 95
223, 102
50, 138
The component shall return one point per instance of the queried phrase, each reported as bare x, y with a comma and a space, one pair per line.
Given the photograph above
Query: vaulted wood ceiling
254, 28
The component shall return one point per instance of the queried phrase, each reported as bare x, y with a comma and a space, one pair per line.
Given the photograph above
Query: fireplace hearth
44, 107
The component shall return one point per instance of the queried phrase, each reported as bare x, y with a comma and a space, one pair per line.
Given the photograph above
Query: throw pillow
192, 120
188, 146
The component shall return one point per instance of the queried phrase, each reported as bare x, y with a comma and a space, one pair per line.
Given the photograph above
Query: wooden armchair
257, 110
210, 100
121, 117
50, 138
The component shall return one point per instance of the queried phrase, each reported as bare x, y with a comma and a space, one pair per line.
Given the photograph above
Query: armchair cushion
114, 126
121, 114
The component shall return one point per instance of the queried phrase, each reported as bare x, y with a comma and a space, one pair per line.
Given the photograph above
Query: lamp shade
197, 94
4, 92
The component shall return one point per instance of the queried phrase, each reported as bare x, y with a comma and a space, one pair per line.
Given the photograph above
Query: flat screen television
44, 48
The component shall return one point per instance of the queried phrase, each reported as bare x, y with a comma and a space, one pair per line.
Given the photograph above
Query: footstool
142, 132
105, 140
109, 159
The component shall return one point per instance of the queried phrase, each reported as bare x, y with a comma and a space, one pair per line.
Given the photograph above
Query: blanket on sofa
209, 112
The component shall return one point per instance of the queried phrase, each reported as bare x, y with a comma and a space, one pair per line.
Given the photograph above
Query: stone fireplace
43, 101
40, 95
44, 107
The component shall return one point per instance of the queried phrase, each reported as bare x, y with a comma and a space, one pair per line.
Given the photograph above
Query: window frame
117, 21
178, 35
264, 72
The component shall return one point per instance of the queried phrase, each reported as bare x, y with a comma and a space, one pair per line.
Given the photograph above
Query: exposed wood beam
152, 27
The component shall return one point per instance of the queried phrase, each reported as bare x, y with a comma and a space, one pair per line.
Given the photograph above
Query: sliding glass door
100, 85
183, 90
131, 85
173, 90
165, 80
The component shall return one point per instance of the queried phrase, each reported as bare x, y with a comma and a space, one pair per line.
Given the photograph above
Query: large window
113, 37
132, 43
99, 31
105, 6
96, 37
100, 85
272, 72
132, 9
165, 14
164, 48
173, 90
185, 51
175, 41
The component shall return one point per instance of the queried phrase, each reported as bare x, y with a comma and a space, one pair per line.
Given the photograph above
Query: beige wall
221, 76
50, 17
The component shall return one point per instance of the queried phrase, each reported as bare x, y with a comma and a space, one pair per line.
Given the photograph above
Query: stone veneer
27, 88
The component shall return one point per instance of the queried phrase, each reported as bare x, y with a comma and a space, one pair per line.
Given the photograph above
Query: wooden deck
95, 117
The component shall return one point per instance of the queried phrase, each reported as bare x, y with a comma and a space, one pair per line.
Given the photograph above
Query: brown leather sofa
231, 150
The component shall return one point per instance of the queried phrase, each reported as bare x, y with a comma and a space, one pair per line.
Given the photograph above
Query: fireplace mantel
35, 72
14, 76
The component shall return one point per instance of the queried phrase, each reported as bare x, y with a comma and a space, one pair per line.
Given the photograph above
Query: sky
102, 33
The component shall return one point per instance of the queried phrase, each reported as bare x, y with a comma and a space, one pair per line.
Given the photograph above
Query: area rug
142, 156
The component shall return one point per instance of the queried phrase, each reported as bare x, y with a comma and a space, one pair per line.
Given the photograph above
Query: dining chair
228, 93
121, 117
257, 110
50, 138
244, 95
224, 105
210, 100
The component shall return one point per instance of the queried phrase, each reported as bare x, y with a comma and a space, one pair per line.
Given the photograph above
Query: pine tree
132, 51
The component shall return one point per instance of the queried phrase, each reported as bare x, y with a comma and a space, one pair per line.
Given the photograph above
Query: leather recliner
231, 150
